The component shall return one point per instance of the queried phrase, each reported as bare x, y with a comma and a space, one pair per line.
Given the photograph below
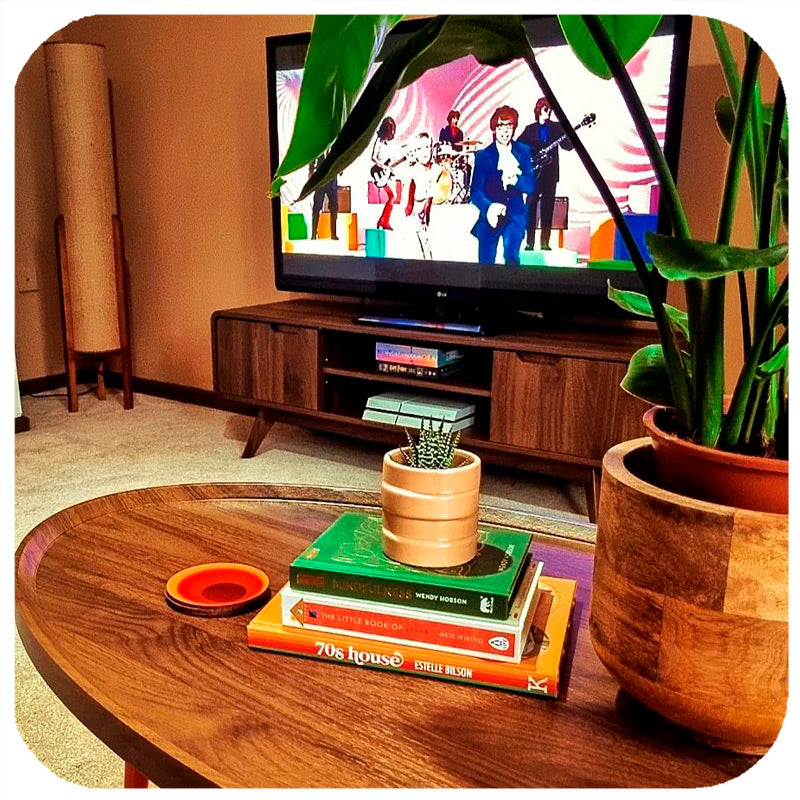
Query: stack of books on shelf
417, 362
409, 409
495, 621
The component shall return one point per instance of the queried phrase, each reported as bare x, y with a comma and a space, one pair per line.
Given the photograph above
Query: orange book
539, 672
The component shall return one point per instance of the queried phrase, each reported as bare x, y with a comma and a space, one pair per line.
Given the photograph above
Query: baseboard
153, 388
48, 383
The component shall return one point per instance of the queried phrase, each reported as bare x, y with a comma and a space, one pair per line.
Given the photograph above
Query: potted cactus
429, 498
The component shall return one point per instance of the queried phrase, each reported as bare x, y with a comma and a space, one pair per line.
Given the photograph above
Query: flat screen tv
408, 220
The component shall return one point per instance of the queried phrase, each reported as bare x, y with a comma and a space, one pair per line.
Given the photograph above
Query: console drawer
267, 361
561, 405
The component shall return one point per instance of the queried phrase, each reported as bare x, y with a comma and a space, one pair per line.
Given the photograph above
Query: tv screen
469, 193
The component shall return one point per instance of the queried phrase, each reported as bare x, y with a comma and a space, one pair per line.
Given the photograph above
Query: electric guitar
381, 174
545, 155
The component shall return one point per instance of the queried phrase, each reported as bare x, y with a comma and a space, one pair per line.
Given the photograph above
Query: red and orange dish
217, 589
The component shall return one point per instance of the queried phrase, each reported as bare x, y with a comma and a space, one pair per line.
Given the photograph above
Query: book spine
420, 372
396, 627
401, 593
396, 658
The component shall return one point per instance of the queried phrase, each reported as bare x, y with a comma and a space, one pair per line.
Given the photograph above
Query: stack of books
418, 362
410, 409
495, 621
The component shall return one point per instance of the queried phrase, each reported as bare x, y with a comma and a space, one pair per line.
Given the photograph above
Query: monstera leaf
647, 376
340, 55
628, 32
681, 259
637, 303
492, 40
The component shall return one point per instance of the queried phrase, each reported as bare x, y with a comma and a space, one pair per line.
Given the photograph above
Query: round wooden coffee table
184, 701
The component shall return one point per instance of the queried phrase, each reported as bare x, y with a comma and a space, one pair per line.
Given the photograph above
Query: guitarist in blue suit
502, 177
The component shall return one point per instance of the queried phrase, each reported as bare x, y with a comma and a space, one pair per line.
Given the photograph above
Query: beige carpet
67, 458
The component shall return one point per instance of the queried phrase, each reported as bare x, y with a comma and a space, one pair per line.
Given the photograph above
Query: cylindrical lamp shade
80, 120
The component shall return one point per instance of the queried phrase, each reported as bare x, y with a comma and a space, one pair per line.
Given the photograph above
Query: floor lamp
89, 243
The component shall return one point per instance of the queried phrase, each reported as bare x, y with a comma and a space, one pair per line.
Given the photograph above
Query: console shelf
432, 385
547, 398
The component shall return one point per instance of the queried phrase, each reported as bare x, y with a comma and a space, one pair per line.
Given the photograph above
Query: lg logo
441, 294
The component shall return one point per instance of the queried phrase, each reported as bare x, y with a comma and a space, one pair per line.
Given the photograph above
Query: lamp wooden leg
261, 426
72, 382
133, 778
101, 380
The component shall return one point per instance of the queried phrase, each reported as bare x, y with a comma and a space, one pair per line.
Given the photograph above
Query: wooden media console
547, 397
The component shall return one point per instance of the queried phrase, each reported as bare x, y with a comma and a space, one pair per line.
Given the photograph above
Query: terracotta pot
689, 607
759, 484
430, 516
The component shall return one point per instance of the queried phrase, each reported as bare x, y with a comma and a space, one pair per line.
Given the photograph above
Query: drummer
451, 133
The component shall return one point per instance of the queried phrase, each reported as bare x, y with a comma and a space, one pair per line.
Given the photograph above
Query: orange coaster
219, 589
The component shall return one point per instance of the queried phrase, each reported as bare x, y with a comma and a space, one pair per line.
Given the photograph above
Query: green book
347, 560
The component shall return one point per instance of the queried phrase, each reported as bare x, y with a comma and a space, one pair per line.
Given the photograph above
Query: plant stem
765, 278
672, 357
732, 427
710, 371
640, 119
728, 64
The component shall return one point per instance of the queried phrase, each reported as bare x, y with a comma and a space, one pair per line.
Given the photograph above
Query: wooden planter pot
689, 606
430, 516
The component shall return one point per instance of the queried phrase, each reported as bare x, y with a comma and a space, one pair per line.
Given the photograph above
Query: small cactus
435, 448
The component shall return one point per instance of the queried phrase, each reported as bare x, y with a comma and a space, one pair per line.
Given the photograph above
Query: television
408, 222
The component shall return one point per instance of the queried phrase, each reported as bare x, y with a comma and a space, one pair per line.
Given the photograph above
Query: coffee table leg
133, 778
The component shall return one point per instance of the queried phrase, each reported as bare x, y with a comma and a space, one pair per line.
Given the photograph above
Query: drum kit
456, 162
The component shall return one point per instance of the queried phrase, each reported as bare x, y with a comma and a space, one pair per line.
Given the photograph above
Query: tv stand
547, 395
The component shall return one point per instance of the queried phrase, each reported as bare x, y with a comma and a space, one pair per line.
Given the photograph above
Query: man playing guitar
538, 136
381, 171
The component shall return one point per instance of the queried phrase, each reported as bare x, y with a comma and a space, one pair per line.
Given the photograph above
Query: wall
191, 132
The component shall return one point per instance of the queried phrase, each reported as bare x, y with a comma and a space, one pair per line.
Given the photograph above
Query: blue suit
487, 188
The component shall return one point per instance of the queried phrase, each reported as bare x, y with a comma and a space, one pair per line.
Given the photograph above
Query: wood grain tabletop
184, 700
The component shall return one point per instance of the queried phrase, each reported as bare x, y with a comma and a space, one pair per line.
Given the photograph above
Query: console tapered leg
592, 487
261, 426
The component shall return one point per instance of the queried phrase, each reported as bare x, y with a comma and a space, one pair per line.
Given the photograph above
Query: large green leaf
726, 114
647, 376
628, 32
340, 54
774, 364
637, 303
492, 40
681, 259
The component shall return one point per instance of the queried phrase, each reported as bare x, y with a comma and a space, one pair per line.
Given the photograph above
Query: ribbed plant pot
430, 516
689, 607
760, 484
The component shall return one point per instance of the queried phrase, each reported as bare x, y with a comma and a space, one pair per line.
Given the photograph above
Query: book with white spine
502, 640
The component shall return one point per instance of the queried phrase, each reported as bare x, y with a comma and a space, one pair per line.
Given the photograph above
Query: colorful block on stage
548, 258
324, 225
352, 232
378, 194
296, 225
639, 224
375, 242
601, 244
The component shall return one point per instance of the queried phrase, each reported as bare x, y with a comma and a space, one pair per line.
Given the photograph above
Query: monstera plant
685, 370
689, 603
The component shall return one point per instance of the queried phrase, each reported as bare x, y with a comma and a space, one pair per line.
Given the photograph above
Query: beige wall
191, 136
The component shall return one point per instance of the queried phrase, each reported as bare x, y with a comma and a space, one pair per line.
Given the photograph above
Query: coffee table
184, 701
